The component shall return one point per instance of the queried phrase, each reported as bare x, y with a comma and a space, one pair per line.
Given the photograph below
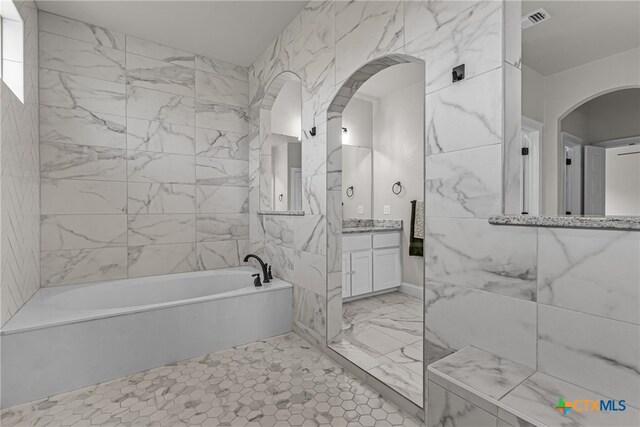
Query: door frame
531, 200
573, 145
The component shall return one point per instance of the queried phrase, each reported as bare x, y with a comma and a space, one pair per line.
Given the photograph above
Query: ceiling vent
534, 18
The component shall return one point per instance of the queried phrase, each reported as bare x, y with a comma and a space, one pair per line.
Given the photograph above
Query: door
595, 161
346, 275
530, 166
361, 273
387, 270
572, 148
295, 190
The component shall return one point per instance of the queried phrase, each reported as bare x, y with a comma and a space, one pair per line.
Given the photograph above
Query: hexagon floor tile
281, 381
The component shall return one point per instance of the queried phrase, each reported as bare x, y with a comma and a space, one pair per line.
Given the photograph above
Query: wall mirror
281, 152
580, 136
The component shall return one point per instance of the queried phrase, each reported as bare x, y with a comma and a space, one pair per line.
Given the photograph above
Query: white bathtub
67, 337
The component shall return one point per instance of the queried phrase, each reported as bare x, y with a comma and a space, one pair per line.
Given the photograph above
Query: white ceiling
392, 79
579, 32
232, 31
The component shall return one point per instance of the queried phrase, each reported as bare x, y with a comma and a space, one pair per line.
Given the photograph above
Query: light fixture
344, 130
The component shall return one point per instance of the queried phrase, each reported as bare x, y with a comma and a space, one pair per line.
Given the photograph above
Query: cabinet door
346, 275
362, 272
387, 271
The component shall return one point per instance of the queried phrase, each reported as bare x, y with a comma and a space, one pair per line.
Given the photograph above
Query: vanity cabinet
370, 263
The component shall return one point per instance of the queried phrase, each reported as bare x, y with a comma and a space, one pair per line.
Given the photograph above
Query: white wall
622, 181
568, 89
615, 115
356, 171
398, 141
532, 94
358, 119
287, 110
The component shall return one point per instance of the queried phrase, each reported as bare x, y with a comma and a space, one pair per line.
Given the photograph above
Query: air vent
534, 18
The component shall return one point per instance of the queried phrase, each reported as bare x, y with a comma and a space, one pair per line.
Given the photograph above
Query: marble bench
474, 388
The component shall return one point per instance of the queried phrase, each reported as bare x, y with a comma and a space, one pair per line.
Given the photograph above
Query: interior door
572, 174
361, 276
296, 189
595, 161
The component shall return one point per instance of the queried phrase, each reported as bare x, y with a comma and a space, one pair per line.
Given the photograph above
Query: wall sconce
312, 132
344, 130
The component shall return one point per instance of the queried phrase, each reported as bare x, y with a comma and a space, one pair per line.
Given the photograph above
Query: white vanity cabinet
370, 262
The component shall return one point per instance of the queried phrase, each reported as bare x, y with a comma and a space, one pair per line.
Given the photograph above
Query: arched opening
395, 192
280, 165
599, 152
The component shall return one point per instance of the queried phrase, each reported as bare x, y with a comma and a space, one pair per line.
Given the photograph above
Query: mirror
580, 138
285, 155
357, 158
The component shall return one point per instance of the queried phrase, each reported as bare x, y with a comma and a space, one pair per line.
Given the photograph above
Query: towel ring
350, 191
280, 197
398, 186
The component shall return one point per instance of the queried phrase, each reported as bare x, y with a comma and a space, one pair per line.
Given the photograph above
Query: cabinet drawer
386, 240
356, 242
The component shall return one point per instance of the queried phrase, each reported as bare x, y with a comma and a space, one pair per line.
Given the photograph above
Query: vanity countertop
598, 222
356, 225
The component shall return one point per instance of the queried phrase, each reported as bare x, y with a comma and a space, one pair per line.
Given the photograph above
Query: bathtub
68, 337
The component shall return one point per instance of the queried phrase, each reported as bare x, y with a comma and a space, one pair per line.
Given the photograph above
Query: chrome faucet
265, 273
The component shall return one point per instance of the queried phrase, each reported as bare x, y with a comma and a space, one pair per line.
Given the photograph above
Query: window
12, 69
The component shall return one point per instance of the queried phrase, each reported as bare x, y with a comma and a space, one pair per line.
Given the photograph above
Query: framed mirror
579, 146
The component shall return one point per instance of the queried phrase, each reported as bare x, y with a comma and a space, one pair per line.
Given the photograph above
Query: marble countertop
283, 213
518, 394
357, 225
628, 223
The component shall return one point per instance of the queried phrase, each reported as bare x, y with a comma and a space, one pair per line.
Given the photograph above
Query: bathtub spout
262, 264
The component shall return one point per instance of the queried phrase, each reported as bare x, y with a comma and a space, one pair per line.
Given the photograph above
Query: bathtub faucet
265, 274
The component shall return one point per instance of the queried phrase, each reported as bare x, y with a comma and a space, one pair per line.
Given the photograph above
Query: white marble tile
221, 144
62, 196
279, 231
310, 235
575, 272
310, 272
156, 229
161, 259
396, 330
221, 90
483, 372
78, 30
365, 31
222, 172
314, 156
456, 317
59, 232
160, 52
590, 351
473, 253
312, 52
282, 259
82, 162
212, 228
79, 126
424, 16
160, 75
409, 357
146, 166
476, 102
223, 254
464, 183
211, 199
309, 316
448, 409
71, 91
355, 354
221, 68
166, 107
371, 340
314, 199
146, 135
83, 266
76, 57
538, 395
400, 378
513, 33
160, 198
222, 117
473, 38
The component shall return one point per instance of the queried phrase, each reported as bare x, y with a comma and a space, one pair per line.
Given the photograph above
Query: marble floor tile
399, 377
278, 381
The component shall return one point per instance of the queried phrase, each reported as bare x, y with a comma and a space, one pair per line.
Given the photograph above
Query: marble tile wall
19, 179
507, 290
144, 156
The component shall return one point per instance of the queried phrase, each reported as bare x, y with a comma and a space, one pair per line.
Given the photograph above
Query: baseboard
410, 289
